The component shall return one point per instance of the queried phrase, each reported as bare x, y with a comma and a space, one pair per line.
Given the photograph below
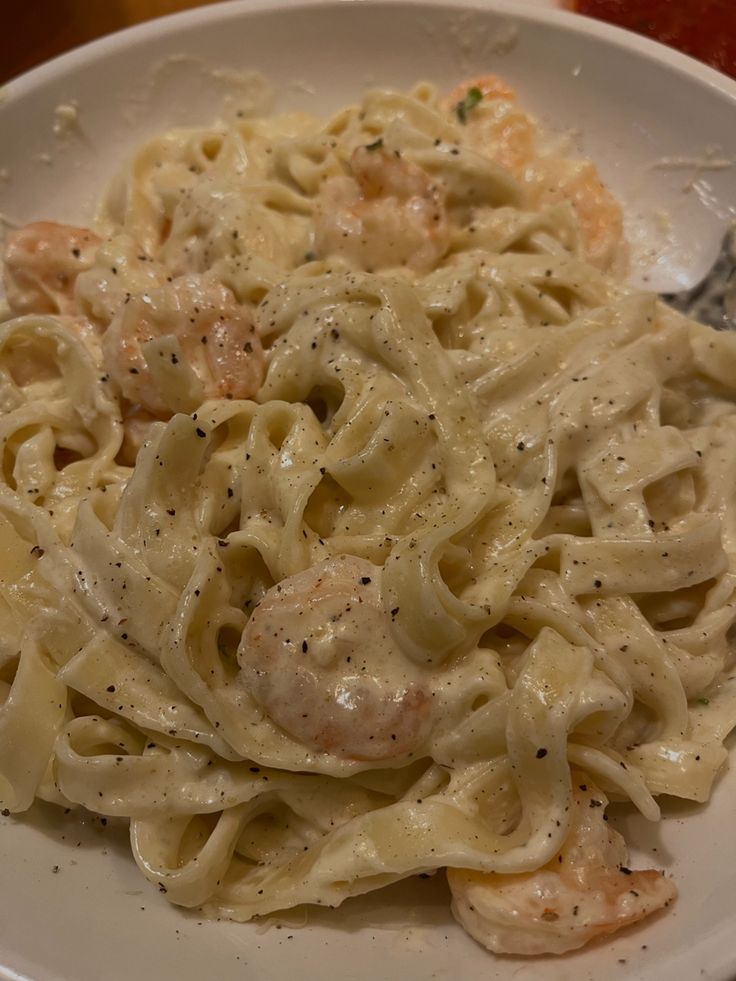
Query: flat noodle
358, 523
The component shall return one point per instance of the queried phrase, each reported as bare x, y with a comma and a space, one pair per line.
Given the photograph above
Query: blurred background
36, 30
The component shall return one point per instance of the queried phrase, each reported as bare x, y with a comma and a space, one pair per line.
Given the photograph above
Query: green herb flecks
472, 98
376, 145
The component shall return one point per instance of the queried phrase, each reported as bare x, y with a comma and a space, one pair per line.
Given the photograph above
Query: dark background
35, 30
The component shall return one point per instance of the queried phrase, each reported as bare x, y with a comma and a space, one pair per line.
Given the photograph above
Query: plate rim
230, 10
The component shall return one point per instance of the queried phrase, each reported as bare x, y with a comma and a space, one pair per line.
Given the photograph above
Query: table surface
37, 30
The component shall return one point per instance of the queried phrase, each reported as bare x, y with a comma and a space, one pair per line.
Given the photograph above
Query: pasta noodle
359, 521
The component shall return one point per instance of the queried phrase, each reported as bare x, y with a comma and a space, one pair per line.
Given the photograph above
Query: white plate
630, 104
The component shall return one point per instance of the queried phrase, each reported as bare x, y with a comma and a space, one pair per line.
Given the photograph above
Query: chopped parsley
376, 145
472, 98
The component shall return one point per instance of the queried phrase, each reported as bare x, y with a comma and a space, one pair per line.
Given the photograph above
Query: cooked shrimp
42, 261
388, 213
496, 127
489, 86
318, 657
585, 892
214, 351
600, 219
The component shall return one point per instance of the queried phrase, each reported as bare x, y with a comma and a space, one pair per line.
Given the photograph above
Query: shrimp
489, 86
221, 354
496, 127
585, 892
388, 213
599, 215
318, 658
42, 261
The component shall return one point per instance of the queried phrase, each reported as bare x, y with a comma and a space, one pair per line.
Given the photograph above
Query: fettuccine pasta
358, 522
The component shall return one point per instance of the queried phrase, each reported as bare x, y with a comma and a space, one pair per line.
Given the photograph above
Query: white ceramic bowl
661, 128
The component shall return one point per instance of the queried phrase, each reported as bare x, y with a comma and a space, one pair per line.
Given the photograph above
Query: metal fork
713, 300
